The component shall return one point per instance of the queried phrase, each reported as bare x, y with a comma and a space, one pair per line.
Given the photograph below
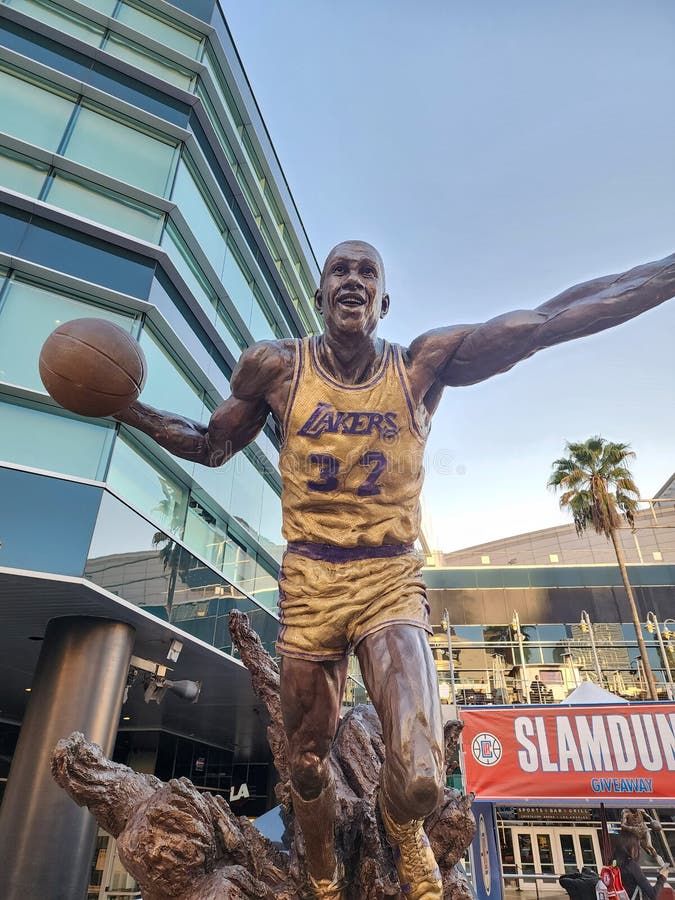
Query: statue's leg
311, 698
399, 674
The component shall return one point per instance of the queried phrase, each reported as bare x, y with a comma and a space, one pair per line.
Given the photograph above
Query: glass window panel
228, 331
147, 487
265, 588
251, 154
106, 207
587, 850
526, 855
206, 535
217, 482
217, 126
149, 62
28, 314
131, 558
104, 6
18, 173
222, 87
569, 856
545, 854
182, 258
247, 493
36, 437
61, 18
269, 449
270, 522
189, 196
161, 30
114, 147
237, 282
33, 113
259, 325
167, 387
253, 206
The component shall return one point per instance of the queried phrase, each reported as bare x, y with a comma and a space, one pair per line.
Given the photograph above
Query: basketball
92, 367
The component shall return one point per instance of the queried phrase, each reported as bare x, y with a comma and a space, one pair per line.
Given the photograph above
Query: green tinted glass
18, 173
247, 494
33, 113
147, 487
184, 261
270, 527
190, 197
222, 87
167, 387
149, 62
236, 279
259, 324
217, 482
111, 209
169, 33
28, 315
116, 148
61, 18
228, 331
40, 439
104, 6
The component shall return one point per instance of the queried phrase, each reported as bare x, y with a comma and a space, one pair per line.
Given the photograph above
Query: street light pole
653, 627
515, 627
586, 625
448, 633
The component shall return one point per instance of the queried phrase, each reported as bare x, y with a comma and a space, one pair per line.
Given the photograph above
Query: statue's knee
420, 796
309, 774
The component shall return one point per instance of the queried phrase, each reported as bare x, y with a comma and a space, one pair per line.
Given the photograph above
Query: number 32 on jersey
374, 462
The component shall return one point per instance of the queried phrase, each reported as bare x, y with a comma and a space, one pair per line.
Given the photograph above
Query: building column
46, 840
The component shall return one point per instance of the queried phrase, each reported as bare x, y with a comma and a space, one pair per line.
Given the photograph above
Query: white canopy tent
590, 693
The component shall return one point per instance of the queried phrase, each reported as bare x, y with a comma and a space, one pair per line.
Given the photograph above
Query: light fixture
156, 683
156, 688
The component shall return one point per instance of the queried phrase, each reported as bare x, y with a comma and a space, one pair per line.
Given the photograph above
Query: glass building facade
138, 184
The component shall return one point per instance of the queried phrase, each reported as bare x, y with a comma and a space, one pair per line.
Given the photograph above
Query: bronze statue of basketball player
353, 412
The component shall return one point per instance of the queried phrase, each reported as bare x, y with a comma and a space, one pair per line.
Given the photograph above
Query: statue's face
351, 298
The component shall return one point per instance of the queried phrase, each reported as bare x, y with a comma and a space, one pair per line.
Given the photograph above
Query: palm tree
586, 478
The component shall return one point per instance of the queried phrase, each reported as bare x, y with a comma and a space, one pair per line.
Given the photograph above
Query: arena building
533, 617
138, 184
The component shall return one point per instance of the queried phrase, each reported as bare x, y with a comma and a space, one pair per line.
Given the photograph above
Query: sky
495, 153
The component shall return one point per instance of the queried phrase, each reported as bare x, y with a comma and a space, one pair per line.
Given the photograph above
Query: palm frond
586, 478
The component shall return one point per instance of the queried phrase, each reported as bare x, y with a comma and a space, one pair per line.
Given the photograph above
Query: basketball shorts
327, 607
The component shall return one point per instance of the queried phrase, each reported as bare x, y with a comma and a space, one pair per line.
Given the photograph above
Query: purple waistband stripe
331, 553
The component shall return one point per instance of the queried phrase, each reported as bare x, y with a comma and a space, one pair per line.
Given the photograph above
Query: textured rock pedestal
182, 844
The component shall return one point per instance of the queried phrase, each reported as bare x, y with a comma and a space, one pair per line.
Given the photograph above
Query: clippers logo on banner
571, 753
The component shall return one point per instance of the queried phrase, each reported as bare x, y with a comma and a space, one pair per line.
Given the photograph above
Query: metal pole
515, 625
653, 625
586, 621
448, 632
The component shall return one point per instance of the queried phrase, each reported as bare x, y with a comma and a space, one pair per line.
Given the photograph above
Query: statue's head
351, 297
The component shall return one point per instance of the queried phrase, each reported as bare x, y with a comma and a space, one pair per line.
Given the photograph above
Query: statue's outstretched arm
232, 426
466, 354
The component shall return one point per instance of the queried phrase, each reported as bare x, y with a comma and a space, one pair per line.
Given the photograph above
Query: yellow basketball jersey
351, 457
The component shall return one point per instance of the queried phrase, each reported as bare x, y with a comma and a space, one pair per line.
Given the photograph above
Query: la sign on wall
589, 753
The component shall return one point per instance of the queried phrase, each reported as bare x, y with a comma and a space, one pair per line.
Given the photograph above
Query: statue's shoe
330, 889
416, 866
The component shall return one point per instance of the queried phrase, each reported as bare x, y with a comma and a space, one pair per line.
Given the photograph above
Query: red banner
579, 753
